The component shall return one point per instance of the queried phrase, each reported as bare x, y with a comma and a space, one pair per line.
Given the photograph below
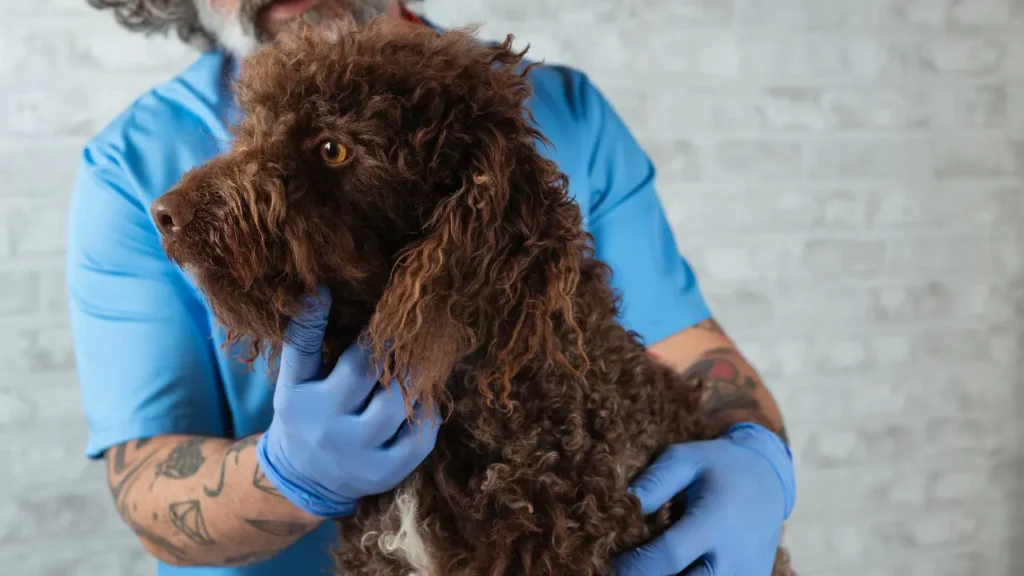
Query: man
219, 473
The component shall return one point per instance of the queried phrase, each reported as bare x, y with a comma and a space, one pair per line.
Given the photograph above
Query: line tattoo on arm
235, 451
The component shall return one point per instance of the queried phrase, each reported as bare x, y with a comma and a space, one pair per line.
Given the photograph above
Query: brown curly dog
397, 166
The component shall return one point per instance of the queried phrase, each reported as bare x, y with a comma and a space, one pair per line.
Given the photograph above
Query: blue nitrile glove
323, 450
739, 490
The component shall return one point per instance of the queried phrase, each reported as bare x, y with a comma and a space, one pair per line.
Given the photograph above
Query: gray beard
241, 36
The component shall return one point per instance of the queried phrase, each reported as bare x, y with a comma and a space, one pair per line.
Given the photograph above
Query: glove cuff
300, 498
763, 441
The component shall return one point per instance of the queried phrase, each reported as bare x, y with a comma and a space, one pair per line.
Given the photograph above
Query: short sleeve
142, 340
660, 292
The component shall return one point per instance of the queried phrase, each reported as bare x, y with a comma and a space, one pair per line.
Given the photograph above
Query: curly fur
456, 245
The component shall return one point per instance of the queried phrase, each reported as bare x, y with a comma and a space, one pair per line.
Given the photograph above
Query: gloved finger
416, 440
383, 416
701, 568
354, 377
670, 553
671, 473
302, 351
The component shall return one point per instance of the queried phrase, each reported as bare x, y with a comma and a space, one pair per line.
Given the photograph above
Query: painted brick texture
845, 176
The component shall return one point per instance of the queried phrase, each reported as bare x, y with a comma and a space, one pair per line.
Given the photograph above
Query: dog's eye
333, 153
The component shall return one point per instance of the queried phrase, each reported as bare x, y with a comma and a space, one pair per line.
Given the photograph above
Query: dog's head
398, 167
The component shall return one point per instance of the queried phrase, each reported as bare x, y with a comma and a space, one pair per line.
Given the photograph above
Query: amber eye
333, 153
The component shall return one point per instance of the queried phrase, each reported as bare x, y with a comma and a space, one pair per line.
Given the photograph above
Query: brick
807, 59
940, 527
53, 292
845, 257
38, 229
698, 56
953, 205
733, 259
925, 255
982, 106
741, 307
41, 348
912, 14
959, 156
803, 15
19, 292
95, 556
921, 301
30, 169
758, 159
676, 160
851, 447
16, 410
684, 12
782, 207
897, 159
952, 345
979, 14
956, 56
61, 514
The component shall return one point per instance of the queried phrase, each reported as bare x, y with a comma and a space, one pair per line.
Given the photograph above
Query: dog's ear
495, 273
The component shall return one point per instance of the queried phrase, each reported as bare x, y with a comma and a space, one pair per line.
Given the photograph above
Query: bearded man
220, 474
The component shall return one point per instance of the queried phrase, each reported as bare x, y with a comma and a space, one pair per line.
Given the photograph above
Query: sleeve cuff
103, 438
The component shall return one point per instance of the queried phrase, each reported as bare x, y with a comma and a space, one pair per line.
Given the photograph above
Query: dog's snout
171, 213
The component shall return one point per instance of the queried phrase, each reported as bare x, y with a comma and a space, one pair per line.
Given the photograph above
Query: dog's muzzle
171, 213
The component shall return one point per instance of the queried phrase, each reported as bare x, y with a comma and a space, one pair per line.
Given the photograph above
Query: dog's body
540, 488
444, 232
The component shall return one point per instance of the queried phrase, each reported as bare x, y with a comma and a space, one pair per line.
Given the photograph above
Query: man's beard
241, 33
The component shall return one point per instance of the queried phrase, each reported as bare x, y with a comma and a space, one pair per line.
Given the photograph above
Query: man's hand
335, 440
739, 489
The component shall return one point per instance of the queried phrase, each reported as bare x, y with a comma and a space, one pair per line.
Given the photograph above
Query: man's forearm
200, 501
734, 390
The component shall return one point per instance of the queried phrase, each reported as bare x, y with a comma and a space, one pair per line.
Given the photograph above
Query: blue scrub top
148, 352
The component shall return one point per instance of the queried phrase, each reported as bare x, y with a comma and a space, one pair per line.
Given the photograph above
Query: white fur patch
228, 30
406, 544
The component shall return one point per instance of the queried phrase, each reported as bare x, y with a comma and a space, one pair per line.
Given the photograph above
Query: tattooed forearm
200, 490
733, 391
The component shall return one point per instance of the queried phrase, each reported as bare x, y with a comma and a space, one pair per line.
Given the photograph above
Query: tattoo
260, 482
118, 467
141, 442
728, 388
283, 529
235, 451
710, 325
187, 517
119, 490
183, 462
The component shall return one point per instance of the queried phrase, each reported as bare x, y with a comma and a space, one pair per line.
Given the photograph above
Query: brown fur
457, 244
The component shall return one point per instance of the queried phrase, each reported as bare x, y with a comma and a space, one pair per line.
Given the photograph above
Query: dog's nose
171, 213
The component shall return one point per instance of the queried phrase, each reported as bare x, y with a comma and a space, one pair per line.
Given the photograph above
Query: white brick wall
845, 175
